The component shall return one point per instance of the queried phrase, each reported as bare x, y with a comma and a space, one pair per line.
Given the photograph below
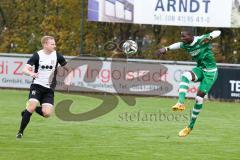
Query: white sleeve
215, 34
174, 46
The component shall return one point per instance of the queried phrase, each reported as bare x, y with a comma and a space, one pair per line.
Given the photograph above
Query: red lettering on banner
4, 67
16, 71
106, 75
192, 90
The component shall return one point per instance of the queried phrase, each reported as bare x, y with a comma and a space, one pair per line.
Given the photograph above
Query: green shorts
206, 78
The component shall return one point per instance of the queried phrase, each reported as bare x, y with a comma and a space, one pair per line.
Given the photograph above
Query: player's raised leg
183, 88
47, 103
47, 109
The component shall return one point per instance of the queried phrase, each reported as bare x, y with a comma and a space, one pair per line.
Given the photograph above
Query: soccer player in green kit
205, 72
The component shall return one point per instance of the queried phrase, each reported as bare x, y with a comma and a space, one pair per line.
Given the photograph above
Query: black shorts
42, 94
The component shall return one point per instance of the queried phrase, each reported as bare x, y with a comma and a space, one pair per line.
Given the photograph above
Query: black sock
38, 110
25, 119
22, 113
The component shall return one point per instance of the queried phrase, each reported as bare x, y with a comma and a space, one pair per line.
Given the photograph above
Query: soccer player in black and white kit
45, 64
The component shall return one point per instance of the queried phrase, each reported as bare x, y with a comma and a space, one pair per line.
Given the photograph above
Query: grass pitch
145, 131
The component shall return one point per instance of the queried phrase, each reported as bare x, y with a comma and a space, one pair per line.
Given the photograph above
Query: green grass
112, 136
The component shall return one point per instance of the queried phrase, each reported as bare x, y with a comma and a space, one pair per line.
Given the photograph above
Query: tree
24, 22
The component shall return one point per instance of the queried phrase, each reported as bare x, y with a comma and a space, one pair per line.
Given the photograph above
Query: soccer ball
129, 47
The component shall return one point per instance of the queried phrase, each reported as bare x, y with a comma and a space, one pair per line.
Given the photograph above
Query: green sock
183, 89
196, 110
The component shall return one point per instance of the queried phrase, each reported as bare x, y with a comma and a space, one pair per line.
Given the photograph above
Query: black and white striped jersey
46, 67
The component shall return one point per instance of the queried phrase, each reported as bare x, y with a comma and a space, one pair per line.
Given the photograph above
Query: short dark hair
188, 30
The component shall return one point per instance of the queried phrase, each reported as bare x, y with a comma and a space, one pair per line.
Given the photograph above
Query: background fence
131, 76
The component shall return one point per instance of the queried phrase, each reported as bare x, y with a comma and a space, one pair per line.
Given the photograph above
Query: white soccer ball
130, 47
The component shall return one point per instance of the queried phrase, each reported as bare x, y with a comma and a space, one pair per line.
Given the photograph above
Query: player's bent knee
199, 100
47, 110
187, 75
32, 106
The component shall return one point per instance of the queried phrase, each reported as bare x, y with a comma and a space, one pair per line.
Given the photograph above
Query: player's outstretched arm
210, 36
214, 34
163, 50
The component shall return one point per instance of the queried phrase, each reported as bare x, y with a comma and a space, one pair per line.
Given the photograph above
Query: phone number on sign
183, 19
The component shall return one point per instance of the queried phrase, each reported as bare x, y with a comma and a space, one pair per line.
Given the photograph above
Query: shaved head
188, 30
187, 35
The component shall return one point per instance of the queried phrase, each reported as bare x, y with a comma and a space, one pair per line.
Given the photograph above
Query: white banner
120, 77
11, 75
205, 13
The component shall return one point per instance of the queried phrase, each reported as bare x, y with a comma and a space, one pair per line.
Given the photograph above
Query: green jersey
201, 52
